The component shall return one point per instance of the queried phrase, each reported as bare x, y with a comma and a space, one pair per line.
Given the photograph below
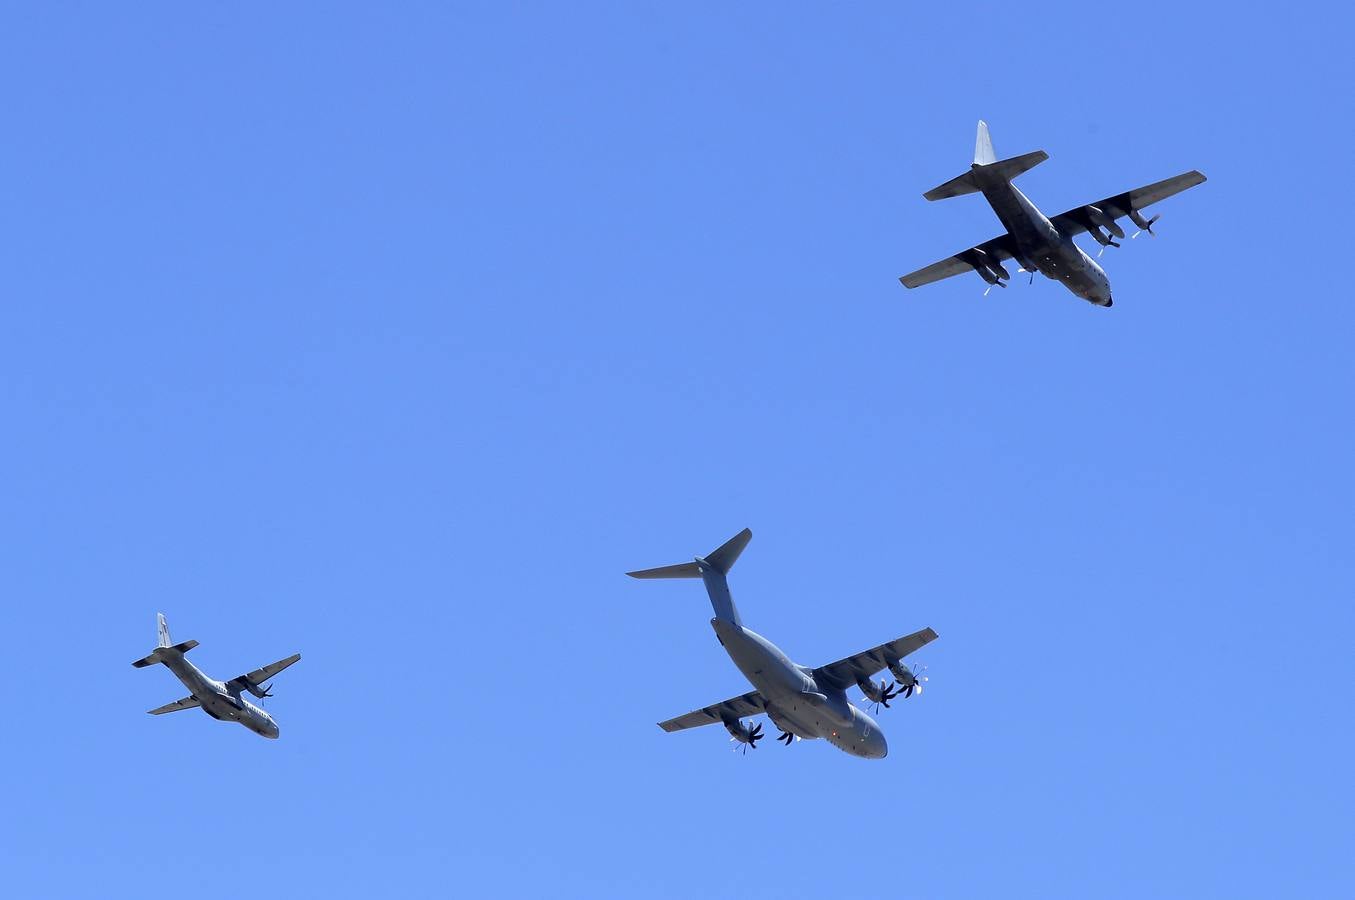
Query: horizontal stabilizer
147, 660
185, 646
711, 569
681, 570
964, 184
1008, 169
723, 559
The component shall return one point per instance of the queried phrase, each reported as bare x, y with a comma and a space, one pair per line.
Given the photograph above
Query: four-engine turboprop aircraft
802, 702
1036, 243
219, 699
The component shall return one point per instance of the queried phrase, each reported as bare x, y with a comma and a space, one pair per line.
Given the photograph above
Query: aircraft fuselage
795, 701
1043, 247
217, 700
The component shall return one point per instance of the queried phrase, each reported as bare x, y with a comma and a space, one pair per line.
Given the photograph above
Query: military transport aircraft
1036, 243
219, 699
803, 702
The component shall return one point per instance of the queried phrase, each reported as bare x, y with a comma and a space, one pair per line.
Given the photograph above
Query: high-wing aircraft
803, 702
1036, 243
222, 700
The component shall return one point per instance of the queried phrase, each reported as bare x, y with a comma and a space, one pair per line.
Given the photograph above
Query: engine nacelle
989, 269
1144, 224
902, 674
1103, 239
1099, 217
741, 732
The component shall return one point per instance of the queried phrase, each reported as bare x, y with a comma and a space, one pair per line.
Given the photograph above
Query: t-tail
987, 168
713, 569
163, 644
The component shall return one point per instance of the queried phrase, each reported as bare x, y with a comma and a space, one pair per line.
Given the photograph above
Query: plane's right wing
255, 679
1079, 219
749, 704
186, 703
845, 672
996, 250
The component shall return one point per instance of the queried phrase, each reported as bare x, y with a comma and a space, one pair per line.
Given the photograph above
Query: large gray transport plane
222, 700
1036, 243
802, 702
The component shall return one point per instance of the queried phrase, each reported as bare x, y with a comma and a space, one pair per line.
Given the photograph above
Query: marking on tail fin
162, 628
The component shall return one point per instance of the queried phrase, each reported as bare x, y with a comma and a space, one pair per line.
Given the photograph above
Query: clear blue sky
397, 337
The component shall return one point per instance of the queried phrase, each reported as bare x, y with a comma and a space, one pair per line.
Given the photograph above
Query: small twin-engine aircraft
219, 699
1036, 243
802, 702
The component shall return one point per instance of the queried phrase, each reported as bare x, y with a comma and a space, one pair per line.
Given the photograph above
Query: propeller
748, 737
260, 691
787, 737
1029, 272
1104, 246
911, 679
915, 686
1000, 284
1144, 226
878, 695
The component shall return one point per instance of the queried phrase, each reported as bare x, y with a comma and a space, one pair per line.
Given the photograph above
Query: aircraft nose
877, 747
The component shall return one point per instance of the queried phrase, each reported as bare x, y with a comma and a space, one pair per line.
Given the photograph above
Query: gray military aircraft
1036, 243
803, 702
222, 700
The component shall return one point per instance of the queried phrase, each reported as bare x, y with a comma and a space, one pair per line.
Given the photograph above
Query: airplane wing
251, 681
188, 702
844, 672
750, 704
1079, 218
996, 250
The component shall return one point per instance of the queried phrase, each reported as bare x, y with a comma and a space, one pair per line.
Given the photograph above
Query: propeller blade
1148, 227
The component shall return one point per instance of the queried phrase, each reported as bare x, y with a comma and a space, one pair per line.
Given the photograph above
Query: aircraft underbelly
761, 662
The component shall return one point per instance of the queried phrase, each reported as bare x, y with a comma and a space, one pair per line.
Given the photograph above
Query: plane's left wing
843, 673
188, 702
749, 704
1080, 218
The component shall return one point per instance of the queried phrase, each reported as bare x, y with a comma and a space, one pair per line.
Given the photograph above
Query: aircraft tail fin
983, 147
987, 168
712, 569
162, 644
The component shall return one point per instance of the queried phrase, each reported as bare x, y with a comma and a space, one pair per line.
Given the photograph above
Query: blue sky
397, 337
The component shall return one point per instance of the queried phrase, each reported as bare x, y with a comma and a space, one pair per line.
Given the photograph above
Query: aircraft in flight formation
222, 700
803, 702
1039, 244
